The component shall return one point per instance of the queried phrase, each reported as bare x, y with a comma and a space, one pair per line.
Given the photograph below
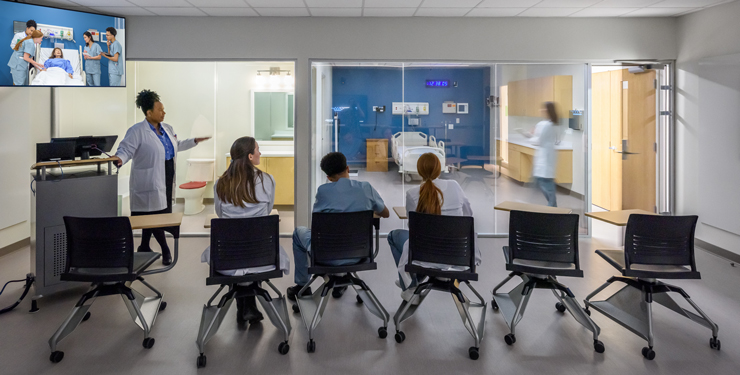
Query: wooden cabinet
520, 160
377, 155
282, 170
526, 96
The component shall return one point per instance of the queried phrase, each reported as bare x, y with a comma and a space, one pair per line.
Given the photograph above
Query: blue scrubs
115, 69
18, 66
59, 63
92, 67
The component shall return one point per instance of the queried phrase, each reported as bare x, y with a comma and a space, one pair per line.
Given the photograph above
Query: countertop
274, 154
521, 140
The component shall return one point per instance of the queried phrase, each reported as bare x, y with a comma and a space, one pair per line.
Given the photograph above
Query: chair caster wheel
400, 336
162, 306
494, 305
86, 317
283, 348
359, 300
599, 346
382, 332
473, 353
296, 309
510, 339
648, 353
587, 311
560, 307
311, 346
714, 343
56, 356
201, 361
148, 343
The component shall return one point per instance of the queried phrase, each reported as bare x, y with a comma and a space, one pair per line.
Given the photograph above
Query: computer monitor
86, 146
56, 151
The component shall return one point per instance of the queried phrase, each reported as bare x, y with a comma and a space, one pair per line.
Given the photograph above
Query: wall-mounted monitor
51, 47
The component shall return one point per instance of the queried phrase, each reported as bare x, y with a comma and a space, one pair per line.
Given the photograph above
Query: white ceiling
388, 8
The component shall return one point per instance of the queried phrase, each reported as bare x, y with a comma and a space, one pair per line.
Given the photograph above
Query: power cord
29, 281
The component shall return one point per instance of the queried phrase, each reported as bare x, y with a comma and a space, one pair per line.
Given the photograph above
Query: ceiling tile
123, 11
179, 12
449, 4
603, 12
442, 12
548, 12
106, 3
230, 12
495, 12
507, 3
686, 3
160, 3
334, 4
566, 3
277, 4
282, 12
625, 3
219, 3
656, 12
391, 3
389, 12
336, 12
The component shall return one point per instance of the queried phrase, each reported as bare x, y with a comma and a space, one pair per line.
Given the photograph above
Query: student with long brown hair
433, 196
245, 191
24, 52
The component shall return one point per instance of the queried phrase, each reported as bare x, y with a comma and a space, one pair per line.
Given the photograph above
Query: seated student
245, 191
339, 195
57, 60
433, 196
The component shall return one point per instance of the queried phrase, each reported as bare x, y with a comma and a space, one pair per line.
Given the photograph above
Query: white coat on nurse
145, 150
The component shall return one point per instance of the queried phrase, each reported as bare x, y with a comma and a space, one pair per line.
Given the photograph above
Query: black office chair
339, 236
450, 241
101, 251
541, 248
655, 247
236, 244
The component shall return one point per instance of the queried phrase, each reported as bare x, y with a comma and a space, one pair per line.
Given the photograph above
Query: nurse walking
92, 55
115, 64
153, 147
24, 52
545, 156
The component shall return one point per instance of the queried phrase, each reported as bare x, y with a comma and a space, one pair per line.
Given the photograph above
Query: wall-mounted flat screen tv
50, 47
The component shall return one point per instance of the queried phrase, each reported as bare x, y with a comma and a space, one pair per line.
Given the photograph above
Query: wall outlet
451, 126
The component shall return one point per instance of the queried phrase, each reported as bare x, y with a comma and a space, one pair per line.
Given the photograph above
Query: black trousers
146, 234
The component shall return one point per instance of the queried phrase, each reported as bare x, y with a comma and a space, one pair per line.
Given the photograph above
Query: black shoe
337, 292
251, 313
293, 291
240, 311
142, 249
166, 257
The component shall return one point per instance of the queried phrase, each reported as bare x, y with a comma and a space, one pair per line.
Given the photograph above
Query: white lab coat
16, 38
147, 182
545, 156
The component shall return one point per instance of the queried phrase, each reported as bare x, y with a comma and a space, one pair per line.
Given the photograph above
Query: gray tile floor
436, 343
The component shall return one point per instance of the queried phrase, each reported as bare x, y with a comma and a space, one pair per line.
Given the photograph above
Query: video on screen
52, 47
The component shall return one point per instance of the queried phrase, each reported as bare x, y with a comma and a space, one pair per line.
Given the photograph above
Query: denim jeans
396, 239
547, 185
301, 252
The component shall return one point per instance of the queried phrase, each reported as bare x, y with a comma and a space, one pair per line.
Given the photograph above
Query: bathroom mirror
272, 115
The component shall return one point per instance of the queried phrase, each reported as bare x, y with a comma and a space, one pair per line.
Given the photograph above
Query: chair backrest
341, 235
244, 243
99, 242
543, 237
442, 239
654, 239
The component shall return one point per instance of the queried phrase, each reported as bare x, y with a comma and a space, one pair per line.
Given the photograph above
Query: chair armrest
507, 254
613, 257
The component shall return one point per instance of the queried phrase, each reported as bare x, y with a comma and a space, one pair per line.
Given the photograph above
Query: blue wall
78, 21
355, 90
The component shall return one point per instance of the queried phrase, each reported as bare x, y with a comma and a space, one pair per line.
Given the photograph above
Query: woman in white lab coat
152, 145
245, 191
545, 156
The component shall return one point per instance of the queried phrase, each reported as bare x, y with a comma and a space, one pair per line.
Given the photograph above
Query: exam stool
101, 251
655, 247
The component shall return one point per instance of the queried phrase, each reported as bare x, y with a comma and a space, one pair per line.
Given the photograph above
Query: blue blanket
59, 63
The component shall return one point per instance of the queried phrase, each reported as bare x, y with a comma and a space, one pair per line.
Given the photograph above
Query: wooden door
638, 129
600, 139
282, 168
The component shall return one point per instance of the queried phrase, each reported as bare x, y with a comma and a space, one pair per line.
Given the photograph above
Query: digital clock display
438, 83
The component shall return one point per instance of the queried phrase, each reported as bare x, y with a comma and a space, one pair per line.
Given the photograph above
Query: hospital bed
74, 57
409, 146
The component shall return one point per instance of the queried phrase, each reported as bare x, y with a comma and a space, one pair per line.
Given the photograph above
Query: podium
85, 188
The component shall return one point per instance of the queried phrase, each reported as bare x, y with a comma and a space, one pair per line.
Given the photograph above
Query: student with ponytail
433, 196
245, 191
24, 52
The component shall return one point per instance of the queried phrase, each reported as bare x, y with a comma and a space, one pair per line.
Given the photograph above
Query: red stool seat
193, 185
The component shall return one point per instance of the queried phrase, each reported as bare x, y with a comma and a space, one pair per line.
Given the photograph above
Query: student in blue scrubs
115, 63
92, 54
25, 51
57, 60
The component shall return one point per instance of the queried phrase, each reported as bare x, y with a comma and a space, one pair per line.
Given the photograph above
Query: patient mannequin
57, 60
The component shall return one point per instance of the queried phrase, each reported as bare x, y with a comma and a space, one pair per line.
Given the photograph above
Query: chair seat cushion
654, 271
544, 264
193, 185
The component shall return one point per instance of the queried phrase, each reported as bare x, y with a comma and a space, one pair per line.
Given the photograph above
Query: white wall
701, 36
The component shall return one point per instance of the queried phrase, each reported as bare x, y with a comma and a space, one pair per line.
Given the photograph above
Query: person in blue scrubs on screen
24, 52
92, 55
115, 63
57, 60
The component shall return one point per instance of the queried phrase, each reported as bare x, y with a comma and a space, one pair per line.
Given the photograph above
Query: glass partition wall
479, 119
